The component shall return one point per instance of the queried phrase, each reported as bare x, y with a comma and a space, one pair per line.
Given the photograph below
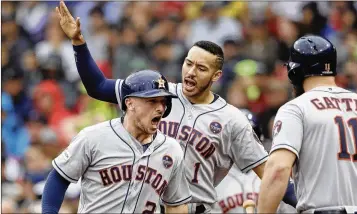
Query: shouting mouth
156, 120
190, 84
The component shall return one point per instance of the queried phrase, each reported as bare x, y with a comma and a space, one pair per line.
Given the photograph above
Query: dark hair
11, 72
96, 10
214, 49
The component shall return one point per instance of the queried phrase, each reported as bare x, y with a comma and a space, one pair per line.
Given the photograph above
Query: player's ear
217, 74
129, 103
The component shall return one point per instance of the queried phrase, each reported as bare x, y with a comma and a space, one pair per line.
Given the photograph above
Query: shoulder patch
66, 153
167, 161
277, 127
215, 127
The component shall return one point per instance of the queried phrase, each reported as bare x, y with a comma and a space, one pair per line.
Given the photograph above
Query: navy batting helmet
311, 56
146, 84
253, 120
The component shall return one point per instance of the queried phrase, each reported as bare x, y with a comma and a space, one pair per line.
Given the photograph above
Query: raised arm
96, 84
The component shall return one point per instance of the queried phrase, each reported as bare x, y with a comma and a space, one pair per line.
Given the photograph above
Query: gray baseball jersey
213, 137
236, 188
117, 176
320, 127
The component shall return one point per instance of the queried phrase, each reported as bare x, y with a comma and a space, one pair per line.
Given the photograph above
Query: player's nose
192, 71
160, 107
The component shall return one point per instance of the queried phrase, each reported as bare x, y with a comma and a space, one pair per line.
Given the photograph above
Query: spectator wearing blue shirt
14, 133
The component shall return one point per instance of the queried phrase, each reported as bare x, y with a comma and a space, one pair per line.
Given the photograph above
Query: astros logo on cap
161, 83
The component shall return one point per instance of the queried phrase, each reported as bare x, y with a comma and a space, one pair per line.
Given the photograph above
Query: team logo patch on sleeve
277, 127
215, 127
66, 153
167, 161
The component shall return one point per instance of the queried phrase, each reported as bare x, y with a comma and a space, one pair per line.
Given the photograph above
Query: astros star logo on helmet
161, 83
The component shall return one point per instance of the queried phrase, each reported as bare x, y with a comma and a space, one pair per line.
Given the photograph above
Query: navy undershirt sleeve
54, 192
146, 146
290, 197
96, 84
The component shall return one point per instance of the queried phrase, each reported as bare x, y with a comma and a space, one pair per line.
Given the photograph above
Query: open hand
71, 27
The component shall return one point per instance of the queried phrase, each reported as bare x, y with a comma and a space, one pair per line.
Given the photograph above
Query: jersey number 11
352, 123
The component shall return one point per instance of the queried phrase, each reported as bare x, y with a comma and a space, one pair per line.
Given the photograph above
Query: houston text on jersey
117, 174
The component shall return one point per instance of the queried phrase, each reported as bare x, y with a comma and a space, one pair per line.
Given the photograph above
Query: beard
298, 90
204, 88
201, 89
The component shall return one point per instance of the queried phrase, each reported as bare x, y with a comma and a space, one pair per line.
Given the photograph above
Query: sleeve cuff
182, 201
285, 146
117, 91
62, 173
253, 165
78, 48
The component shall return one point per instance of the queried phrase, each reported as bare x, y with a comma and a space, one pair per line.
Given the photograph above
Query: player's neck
205, 98
134, 131
313, 82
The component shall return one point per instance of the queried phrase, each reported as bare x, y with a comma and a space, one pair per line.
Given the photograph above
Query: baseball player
315, 134
125, 164
237, 187
213, 134
234, 189
242, 186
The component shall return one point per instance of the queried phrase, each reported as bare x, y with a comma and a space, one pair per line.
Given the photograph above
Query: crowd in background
44, 104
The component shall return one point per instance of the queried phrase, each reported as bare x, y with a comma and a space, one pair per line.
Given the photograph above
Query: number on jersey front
151, 207
195, 176
352, 124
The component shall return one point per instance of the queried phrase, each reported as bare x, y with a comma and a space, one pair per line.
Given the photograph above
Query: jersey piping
333, 92
194, 123
284, 145
142, 183
255, 163
184, 112
63, 173
177, 202
126, 196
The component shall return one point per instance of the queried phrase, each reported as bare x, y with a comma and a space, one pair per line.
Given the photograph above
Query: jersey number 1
195, 175
352, 123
